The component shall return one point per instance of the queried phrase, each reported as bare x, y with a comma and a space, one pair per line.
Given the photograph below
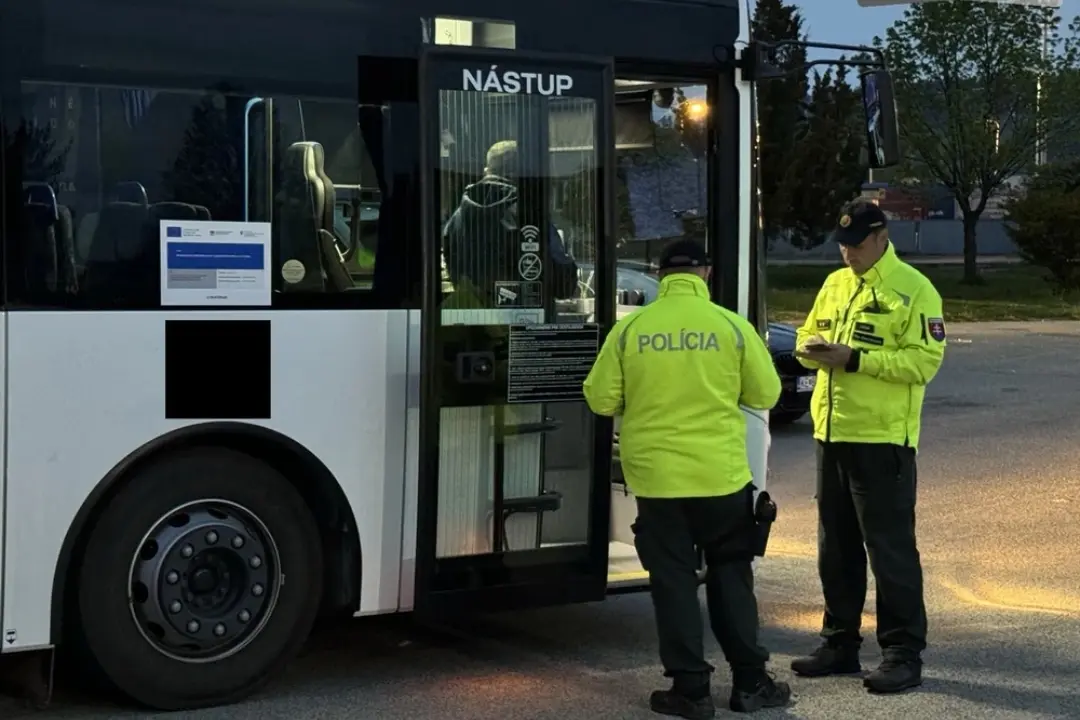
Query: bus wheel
182, 598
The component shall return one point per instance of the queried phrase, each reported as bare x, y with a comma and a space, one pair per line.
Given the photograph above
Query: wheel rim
204, 581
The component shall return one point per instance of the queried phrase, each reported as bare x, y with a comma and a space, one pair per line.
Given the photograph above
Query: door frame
503, 580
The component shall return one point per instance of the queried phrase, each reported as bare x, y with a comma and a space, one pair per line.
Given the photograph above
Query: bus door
514, 481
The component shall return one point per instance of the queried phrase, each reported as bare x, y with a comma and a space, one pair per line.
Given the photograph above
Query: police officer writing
677, 371
877, 337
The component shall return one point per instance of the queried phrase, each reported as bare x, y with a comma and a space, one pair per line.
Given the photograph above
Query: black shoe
669, 702
895, 675
768, 693
828, 660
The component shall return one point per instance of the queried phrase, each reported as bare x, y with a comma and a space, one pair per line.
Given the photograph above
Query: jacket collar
884, 267
684, 284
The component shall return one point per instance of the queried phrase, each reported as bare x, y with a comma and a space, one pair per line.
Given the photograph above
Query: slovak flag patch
936, 326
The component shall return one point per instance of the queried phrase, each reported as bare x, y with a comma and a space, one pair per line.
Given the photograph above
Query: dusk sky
843, 21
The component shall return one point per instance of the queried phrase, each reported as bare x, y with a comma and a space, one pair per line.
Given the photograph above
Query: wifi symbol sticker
530, 234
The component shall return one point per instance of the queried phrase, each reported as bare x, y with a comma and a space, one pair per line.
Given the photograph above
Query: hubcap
204, 581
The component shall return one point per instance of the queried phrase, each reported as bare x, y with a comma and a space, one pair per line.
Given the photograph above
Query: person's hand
835, 355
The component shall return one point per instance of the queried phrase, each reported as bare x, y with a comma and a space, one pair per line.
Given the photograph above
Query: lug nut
211, 537
193, 626
255, 562
187, 551
238, 542
173, 577
175, 607
219, 629
243, 616
257, 590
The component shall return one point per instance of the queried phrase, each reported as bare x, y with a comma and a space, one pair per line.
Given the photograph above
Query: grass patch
1009, 292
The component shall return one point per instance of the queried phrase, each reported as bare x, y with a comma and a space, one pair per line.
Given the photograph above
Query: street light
696, 110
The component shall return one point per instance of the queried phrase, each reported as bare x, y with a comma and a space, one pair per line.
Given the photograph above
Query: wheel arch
307, 473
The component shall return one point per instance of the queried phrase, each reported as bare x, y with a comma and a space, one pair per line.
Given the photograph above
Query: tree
827, 168
811, 137
977, 97
781, 115
1046, 224
690, 120
42, 160
208, 170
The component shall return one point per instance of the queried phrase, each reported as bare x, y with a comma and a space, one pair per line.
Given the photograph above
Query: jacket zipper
839, 333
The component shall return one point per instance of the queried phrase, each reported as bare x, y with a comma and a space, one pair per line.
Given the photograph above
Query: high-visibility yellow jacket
891, 317
677, 371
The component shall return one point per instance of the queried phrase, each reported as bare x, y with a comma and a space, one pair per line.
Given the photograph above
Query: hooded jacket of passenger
482, 241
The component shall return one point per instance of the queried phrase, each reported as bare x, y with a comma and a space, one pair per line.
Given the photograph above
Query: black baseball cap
684, 253
857, 220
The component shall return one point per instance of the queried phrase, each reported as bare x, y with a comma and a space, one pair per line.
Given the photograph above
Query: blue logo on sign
172, 232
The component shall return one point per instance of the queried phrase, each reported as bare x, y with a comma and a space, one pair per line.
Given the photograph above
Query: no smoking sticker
530, 267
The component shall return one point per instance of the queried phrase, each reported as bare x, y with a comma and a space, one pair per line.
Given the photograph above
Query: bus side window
117, 161
344, 187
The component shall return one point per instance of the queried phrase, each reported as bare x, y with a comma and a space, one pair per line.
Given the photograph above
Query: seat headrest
299, 160
131, 192
39, 193
315, 154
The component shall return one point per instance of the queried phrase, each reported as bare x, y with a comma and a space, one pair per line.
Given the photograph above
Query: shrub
1045, 225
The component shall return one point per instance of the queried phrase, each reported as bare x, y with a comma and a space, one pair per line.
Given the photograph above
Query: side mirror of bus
882, 128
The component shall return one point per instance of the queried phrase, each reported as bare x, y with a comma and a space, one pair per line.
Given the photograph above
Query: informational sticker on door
549, 363
511, 293
214, 263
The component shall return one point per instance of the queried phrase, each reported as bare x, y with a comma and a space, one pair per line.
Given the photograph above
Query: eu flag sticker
172, 231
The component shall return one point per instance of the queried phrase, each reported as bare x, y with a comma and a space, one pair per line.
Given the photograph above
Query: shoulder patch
936, 326
824, 324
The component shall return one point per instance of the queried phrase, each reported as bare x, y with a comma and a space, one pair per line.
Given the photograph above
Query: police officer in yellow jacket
677, 371
877, 337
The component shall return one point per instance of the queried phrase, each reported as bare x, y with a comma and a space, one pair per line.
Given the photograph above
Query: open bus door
514, 475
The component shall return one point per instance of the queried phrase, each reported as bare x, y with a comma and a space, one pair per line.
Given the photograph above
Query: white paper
215, 263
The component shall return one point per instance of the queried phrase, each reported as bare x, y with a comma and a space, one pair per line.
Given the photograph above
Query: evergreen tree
811, 135
827, 167
781, 114
209, 170
42, 161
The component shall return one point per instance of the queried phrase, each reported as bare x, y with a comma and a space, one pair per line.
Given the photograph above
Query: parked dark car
797, 381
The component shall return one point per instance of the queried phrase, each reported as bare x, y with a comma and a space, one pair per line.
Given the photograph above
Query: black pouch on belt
764, 517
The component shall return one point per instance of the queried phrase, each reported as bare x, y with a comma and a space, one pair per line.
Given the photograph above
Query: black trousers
668, 534
866, 506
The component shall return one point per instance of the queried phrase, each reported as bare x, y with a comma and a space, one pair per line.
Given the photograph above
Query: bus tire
181, 596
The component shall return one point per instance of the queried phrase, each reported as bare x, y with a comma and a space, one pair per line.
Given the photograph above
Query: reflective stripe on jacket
676, 371
891, 316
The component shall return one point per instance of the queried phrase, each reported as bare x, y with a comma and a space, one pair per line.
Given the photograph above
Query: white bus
248, 375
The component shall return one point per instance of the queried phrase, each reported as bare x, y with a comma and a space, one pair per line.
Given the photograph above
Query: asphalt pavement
998, 522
